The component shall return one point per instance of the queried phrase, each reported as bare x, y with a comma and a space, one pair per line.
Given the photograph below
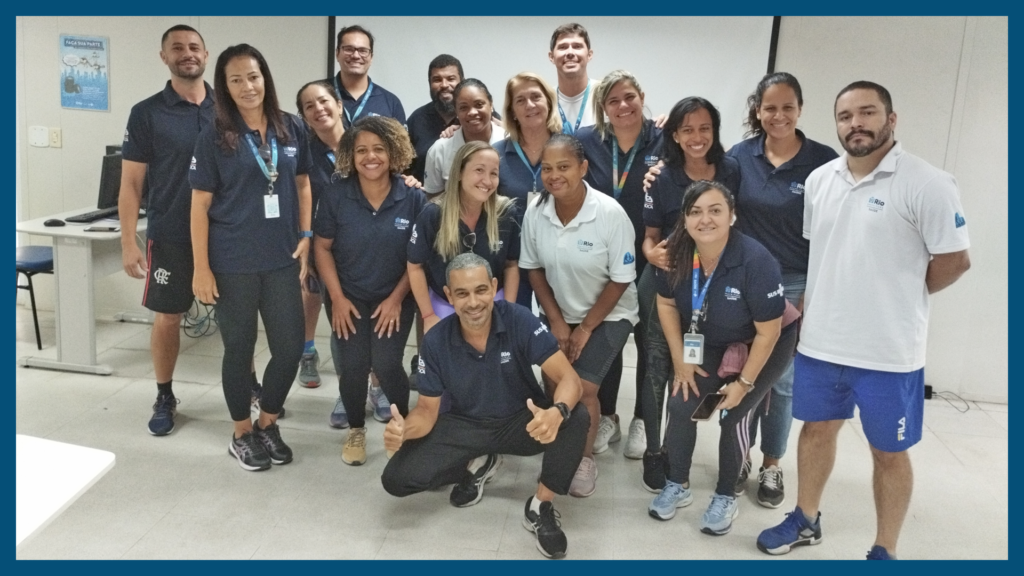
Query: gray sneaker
309, 377
339, 418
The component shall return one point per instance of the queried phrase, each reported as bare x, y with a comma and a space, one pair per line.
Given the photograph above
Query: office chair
32, 260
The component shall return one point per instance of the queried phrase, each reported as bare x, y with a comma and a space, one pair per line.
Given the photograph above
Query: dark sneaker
270, 438
309, 376
741, 483
655, 466
164, 411
545, 526
254, 408
879, 553
770, 492
794, 531
249, 452
471, 489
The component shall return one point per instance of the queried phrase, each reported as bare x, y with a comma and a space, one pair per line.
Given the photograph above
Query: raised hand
394, 432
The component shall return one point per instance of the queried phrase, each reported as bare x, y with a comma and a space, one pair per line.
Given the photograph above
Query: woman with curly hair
362, 227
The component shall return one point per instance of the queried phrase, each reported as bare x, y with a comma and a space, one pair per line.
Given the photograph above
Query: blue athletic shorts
891, 403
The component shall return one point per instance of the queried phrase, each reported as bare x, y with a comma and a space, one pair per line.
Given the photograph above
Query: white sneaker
607, 433
584, 482
636, 442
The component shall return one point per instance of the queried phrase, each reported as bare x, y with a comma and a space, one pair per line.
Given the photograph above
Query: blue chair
32, 260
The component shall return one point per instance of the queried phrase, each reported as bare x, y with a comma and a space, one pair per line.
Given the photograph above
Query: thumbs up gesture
544, 426
394, 432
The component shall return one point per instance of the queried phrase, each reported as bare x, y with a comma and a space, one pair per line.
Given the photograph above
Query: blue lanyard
263, 165
697, 300
352, 118
618, 183
536, 173
568, 128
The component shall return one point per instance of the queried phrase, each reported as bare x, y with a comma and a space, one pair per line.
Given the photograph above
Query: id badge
530, 196
693, 348
270, 207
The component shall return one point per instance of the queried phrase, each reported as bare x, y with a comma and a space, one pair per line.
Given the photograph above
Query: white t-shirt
571, 106
439, 158
866, 303
580, 259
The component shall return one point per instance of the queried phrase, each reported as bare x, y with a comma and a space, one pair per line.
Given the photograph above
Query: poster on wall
84, 72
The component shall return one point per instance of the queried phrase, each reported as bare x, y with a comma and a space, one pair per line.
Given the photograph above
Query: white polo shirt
580, 259
439, 159
866, 303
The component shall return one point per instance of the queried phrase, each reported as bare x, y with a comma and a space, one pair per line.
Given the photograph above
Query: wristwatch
305, 234
564, 410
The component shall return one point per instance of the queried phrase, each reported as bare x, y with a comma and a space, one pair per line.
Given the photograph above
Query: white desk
79, 257
52, 475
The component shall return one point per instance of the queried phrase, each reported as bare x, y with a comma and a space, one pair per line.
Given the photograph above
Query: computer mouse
53, 222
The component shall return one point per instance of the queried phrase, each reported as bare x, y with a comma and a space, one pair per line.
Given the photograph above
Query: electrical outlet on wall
38, 136
55, 139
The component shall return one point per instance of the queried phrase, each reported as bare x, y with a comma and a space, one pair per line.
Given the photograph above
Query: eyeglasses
469, 240
350, 50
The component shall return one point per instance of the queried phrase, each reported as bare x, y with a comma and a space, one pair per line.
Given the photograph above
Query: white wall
948, 78
58, 179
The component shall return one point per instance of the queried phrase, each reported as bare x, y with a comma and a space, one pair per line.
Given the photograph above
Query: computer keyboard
98, 215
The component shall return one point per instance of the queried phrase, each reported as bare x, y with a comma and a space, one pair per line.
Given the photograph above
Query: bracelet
745, 382
589, 333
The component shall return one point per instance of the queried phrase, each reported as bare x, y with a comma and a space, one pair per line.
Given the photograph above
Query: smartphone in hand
707, 407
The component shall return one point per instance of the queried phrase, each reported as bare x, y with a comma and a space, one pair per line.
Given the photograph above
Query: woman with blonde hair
468, 217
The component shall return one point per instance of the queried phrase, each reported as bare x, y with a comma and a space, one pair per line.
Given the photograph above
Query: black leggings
363, 351
275, 296
440, 457
681, 433
608, 393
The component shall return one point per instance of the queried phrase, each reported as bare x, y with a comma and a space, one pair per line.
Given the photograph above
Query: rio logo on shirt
796, 188
875, 205
290, 151
732, 294
401, 223
650, 160
506, 357
584, 245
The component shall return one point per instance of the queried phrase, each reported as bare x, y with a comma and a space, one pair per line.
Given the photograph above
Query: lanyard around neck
271, 171
522, 156
568, 128
697, 300
366, 97
618, 183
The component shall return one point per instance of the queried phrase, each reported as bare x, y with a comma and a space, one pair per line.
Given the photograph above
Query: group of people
614, 223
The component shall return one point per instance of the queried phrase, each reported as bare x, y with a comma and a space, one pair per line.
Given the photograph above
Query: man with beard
886, 229
360, 97
483, 357
159, 139
428, 121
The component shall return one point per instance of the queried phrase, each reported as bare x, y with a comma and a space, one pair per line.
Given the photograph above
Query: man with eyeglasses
360, 97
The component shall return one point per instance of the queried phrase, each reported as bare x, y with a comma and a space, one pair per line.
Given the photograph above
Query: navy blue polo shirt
242, 239
425, 127
770, 201
369, 245
664, 199
380, 103
162, 132
515, 179
321, 168
497, 383
746, 287
421, 244
598, 151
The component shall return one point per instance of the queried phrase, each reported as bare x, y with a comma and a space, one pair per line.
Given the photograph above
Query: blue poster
84, 69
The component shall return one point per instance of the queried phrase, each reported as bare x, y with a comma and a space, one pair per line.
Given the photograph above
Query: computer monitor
110, 182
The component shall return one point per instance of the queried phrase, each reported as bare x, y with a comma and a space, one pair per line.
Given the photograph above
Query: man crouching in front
481, 358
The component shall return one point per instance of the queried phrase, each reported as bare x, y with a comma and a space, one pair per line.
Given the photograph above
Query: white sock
534, 505
476, 463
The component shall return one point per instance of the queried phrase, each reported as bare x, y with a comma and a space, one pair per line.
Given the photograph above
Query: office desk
79, 258
52, 475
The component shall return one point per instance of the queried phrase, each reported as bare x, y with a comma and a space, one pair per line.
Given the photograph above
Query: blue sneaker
672, 496
794, 531
720, 514
879, 553
339, 419
381, 404
164, 410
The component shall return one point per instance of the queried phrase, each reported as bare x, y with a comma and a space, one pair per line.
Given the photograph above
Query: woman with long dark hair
722, 311
251, 211
774, 162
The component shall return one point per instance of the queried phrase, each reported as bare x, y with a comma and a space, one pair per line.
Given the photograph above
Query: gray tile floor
181, 496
